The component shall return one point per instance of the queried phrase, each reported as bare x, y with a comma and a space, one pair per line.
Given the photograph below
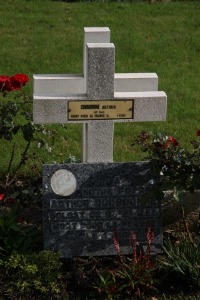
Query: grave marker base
84, 204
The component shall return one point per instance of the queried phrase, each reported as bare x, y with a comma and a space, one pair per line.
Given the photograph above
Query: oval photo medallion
63, 182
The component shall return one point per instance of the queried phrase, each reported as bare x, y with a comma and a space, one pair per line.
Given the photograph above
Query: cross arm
147, 106
66, 84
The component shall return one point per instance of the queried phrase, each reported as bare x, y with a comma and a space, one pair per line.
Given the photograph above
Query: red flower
14, 82
172, 141
18, 80
150, 235
2, 197
116, 245
5, 84
198, 132
116, 241
134, 244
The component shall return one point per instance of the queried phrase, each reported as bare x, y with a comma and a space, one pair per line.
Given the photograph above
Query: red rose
173, 141
198, 132
2, 196
18, 80
5, 84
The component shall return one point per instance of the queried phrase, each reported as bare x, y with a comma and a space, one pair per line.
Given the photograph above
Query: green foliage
16, 116
71, 159
131, 276
13, 235
16, 124
183, 260
38, 274
28, 195
179, 166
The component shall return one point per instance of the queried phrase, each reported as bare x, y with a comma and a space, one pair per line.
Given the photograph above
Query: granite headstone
84, 204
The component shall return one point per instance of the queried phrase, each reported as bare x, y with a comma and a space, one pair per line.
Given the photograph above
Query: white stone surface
136, 82
148, 106
99, 141
99, 81
56, 85
93, 35
100, 85
66, 84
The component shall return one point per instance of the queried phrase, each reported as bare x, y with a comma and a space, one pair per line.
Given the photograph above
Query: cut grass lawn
46, 37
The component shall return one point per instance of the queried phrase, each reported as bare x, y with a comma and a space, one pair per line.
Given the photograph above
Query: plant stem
10, 164
185, 223
23, 156
19, 165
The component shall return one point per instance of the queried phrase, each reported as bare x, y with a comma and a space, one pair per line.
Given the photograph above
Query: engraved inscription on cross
134, 96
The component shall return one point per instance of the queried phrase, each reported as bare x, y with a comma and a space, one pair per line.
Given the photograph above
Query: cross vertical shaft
100, 85
95, 146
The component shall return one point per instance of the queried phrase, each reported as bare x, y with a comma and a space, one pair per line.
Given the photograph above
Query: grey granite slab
84, 204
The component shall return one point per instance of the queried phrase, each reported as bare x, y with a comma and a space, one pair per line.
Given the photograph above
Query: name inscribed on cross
100, 110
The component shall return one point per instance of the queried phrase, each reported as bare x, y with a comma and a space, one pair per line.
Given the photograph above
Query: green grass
43, 36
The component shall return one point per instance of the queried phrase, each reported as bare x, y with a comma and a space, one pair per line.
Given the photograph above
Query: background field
41, 37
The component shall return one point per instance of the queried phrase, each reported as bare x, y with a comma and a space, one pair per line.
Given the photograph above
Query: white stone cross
54, 95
